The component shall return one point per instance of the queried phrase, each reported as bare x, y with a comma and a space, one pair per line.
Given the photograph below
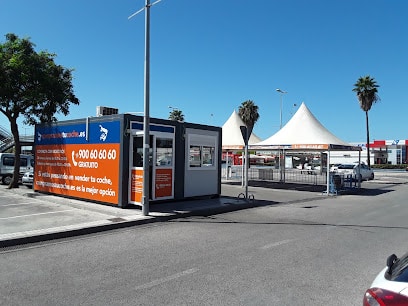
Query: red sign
163, 183
136, 185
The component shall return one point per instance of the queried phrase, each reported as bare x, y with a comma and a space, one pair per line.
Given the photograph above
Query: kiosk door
161, 169
136, 179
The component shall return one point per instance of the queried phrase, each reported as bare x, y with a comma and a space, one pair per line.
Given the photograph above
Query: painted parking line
16, 204
31, 215
166, 279
275, 244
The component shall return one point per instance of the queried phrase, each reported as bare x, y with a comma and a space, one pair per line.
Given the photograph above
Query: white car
334, 167
390, 287
356, 171
28, 179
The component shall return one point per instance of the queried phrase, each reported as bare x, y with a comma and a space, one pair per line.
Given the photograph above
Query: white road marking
51, 212
27, 203
166, 279
275, 244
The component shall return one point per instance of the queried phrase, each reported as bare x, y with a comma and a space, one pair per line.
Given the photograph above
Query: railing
7, 140
4, 134
314, 177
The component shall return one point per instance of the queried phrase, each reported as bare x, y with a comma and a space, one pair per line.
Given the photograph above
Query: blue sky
209, 56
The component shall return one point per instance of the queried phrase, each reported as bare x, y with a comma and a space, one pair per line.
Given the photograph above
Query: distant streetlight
282, 92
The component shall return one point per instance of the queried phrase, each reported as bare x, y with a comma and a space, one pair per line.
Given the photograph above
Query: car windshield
399, 270
346, 167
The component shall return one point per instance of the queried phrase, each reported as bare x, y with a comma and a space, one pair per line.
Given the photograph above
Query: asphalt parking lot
28, 216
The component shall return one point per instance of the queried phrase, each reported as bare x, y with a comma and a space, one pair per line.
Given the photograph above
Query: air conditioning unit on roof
105, 111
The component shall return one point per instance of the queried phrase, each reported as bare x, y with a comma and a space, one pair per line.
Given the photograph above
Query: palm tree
248, 112
176, 115
366, 90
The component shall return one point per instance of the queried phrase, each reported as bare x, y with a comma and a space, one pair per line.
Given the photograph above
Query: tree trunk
17, 152
368, 141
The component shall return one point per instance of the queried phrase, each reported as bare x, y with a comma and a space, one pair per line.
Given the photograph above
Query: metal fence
314, 177
337, 182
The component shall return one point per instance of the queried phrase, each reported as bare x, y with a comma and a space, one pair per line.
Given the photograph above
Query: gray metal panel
202, 181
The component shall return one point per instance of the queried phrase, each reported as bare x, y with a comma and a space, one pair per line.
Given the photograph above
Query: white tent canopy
231, 134
304, 131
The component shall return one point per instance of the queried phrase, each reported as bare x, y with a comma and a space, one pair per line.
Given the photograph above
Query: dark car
390, 287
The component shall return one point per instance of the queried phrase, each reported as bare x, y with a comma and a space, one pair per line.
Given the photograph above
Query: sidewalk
27, 216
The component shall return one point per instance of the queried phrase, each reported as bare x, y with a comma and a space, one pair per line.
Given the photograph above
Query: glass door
136, 169
163, 168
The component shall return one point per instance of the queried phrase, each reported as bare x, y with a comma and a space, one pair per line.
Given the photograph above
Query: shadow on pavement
314, 188
280, 185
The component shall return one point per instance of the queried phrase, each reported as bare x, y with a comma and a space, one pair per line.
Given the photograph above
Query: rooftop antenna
146, 117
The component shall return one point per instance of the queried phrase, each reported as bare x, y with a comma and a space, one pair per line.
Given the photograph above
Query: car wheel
6, 180
372, 176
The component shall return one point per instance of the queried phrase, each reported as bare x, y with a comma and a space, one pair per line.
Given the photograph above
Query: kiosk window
138, 151
202, 156
164, 152
195, 156
208, 156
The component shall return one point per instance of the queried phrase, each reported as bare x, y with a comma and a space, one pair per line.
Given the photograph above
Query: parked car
334, 167
7, 166
362, 170
390, 287
28, 179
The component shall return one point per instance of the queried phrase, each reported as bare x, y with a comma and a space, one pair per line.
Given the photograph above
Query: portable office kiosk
100, 159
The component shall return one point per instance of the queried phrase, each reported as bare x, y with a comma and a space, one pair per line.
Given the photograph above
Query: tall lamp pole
282, 92
146, 117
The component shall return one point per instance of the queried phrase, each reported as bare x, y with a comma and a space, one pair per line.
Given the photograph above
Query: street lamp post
146, 117
281, 162
282, 92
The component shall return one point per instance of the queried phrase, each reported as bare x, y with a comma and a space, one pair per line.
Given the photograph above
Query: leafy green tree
176, 115
31, 85
367, 95
248, 112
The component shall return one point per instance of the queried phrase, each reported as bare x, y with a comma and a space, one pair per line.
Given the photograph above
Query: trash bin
337, 181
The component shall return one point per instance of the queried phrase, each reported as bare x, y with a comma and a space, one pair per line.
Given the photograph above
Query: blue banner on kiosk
98, 132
